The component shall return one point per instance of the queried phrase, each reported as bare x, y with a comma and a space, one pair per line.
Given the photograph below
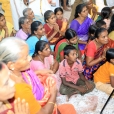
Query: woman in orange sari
18, 62
52, 28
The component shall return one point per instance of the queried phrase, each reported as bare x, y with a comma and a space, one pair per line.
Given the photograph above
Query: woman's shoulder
91, 43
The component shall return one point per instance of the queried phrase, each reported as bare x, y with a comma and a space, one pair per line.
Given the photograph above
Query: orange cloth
66, 109
104, 72
24, 91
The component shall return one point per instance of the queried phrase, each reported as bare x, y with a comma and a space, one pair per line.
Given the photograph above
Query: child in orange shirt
104, 76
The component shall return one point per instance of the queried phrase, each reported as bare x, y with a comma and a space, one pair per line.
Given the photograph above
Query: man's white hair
10, 48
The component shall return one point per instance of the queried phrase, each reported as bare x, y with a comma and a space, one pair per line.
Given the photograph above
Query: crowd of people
46, 55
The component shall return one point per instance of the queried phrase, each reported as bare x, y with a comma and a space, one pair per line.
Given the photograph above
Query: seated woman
6, 28
59, 16
95, 53
36, 95
24, 28
37, 33
42, 58
81, 25
104, 76
52, 28
70, 39
111, 28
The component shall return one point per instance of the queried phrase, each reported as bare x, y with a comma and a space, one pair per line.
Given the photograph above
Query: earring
12, 69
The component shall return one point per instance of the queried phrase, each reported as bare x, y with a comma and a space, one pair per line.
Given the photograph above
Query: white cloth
35, 6
17, 7
57, 4
100, 4
110, 3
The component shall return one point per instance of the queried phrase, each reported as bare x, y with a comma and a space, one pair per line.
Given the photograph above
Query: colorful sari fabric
59, 48
50, 31
81, 30
91, 51
40, 85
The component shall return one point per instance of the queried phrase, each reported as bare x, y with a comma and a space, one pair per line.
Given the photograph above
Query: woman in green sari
70, 39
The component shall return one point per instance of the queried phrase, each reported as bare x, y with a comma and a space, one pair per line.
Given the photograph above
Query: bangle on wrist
51, 103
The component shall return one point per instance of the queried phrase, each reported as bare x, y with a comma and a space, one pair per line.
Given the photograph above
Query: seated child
104, 76
71, 70
100, 24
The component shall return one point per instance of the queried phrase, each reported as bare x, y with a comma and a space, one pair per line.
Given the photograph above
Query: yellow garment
91, 13
104, 72
10, 29
24, 91
111, 35
6, 7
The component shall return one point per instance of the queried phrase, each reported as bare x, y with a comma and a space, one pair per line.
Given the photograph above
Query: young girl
42, 58
73, 81
59, 16
70, 39
104, 76
52, 28
92, 30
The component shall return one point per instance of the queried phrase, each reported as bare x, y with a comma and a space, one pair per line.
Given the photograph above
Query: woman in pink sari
42, 59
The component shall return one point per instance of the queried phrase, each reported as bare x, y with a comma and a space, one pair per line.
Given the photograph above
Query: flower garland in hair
41, 7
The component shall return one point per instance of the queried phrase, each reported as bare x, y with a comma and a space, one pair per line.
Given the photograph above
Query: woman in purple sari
81, 24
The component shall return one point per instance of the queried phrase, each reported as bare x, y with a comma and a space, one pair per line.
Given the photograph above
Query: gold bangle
51, 103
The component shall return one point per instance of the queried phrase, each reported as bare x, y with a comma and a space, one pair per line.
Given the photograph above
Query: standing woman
81, 25
52, 28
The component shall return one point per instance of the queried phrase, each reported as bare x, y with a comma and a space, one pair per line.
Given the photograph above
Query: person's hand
53, 89
6, 93
82, 89
56, 27
94, 10
20, 107
26, 2
5, 28
44, 72
89, 85
104, 52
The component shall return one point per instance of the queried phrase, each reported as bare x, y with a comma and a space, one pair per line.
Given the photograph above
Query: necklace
40, 59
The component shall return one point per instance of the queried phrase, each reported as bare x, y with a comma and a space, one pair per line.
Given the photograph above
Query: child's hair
40, 45
1, 66
105, 12
100, 23
92, 30
47, 15
1, 15
67, 49
58, 9
110, 54
69, 34
99, 31
111, 28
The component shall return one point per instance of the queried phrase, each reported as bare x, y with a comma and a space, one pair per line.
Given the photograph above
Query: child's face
73, 40
52, 19
2, 21
72, 55
59, 15
46, 51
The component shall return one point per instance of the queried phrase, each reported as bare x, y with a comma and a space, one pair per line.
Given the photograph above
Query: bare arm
82, 42
91, 61
55, 66
51, 37
112, 81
